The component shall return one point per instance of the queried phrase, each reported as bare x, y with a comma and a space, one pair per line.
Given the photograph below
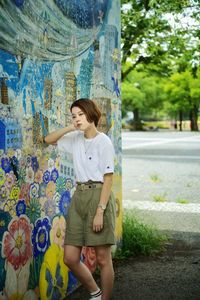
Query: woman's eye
73, 117
80, 114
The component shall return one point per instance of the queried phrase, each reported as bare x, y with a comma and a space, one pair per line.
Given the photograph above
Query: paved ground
171, 276
161, 170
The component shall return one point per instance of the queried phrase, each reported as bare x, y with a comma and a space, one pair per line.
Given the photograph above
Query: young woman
91, 215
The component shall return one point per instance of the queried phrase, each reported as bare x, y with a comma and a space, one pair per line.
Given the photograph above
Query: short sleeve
107, 159
65, 143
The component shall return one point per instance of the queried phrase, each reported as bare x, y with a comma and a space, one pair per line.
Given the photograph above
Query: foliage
160, 46
139, 239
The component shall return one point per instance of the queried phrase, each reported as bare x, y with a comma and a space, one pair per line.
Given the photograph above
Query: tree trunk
137, 125
194, 118
180, 120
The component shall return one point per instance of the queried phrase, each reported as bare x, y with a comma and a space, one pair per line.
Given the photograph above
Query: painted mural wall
51, 53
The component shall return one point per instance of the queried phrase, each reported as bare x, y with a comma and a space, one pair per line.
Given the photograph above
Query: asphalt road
161, 166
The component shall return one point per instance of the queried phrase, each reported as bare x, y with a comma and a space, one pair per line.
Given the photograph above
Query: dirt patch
170, 276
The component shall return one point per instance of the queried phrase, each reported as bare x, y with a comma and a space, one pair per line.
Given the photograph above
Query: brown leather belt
88, 185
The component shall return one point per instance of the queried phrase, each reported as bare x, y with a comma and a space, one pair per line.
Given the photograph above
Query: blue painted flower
46, 176
20, 207
54, 175
72, 282
34, 190
54, 284
40, 236
34, 163
42, 189
5, 163
64, 202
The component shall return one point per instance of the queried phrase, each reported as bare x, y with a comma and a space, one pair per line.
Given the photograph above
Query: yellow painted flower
57, 232
53, 280
14, 194
2, 176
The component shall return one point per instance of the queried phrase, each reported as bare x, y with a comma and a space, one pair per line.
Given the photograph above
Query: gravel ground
170, 276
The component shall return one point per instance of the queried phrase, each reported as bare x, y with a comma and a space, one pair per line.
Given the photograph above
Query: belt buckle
82, 186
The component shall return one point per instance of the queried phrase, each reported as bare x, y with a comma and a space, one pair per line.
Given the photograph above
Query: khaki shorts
79, 220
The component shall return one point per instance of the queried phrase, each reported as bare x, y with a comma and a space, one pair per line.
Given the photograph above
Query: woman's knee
103, 259
70, 260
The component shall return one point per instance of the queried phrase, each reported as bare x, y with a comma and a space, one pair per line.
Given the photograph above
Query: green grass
183, 201
160, 198
139, 239
155, 178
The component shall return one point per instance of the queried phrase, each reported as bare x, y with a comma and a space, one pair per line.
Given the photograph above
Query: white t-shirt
92, 158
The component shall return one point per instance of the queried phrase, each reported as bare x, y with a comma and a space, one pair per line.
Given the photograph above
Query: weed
182, 201
160, 198
155, 178
138, 239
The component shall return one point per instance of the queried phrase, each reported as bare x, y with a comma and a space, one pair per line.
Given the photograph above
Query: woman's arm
105, 194
54, 136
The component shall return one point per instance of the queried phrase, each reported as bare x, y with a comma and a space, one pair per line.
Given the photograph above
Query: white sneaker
96, 298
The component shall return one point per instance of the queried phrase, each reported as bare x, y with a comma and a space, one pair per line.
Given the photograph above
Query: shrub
139, 239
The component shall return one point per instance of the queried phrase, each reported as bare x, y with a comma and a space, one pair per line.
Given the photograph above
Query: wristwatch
103, 206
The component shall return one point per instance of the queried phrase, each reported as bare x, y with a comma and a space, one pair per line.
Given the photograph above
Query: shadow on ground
174, 275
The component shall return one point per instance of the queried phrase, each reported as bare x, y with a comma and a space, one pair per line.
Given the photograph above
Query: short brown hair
89, 108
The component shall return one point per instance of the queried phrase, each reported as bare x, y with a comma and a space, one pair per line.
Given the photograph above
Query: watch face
103, 206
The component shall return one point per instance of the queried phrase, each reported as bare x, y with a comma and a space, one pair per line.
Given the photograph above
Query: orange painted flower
89, 258
50, 189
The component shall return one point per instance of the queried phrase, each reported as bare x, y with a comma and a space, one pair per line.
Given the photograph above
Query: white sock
96, 294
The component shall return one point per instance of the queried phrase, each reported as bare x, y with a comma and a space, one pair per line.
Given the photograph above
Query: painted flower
17, 242
89, 258
64, 202
10, 152
50, 189
56, 197
57, 163
53, 275
40, 236
4, 221
22, 163
15, 191
34, 163
34, 189
4, 194
69, 184
10, 206
2, 177
39, 176
46, 176
16, 284
5, 163
60, 185
42, 189
51, 164
28, 160
33, 210
18, 154
24, 193
43, 163
10, 180
29, 175
72, 282
54, 175
50, 208
57, 233
38, 153
20, 208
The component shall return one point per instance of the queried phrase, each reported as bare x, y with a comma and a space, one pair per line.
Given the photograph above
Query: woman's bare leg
72, 260
104, 260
